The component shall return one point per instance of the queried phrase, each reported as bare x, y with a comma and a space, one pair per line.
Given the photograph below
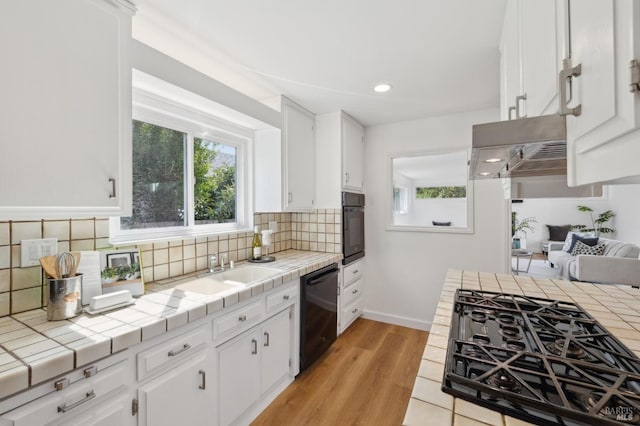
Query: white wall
405, 271
557, 211
625, 202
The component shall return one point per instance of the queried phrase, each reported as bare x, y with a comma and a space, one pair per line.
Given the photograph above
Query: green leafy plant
598, 225
522, 225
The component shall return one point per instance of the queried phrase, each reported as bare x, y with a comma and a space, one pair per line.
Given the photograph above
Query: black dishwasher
318, 313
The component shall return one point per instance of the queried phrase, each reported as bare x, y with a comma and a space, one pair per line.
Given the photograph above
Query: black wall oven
352, 226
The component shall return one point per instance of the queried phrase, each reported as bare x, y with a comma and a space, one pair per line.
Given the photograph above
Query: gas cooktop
544, 361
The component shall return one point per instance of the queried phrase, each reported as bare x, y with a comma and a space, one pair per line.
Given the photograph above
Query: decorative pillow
440, 223
558, 233
590, 241
582, 248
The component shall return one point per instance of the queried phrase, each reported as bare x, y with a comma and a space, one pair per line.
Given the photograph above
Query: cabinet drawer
351, 312
282, 298
238, 320
72, 400
351, 273
170, 351
351, 293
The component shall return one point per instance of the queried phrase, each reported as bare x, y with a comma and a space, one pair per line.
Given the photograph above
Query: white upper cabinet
339, 158
298, 157
602, 111
352, 154
528, 61
66, 108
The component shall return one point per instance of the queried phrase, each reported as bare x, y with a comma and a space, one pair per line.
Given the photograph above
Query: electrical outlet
273, 226
32, 250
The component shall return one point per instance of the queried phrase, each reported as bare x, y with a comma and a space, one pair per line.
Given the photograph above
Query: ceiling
440, 57
444, 169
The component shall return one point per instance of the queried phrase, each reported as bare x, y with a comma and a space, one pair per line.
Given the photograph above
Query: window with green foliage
189, 177
441, 192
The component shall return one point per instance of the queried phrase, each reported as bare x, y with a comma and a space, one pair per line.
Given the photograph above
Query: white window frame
160, 111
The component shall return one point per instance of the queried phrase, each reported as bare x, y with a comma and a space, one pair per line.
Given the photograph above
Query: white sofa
619, 264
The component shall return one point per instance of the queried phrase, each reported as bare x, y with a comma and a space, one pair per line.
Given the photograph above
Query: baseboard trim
397, 320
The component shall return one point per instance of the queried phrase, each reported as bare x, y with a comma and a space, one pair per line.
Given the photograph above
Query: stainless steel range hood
526, 150
534, 146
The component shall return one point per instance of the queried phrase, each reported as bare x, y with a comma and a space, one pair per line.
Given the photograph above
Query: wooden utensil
49, 263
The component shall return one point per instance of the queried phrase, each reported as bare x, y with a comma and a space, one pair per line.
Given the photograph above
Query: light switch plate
273, 226
32, 250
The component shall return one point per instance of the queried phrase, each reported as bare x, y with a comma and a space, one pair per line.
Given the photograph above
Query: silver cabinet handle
567, 73
254, 343
91, 371
61, 384
242, 318
266, 336
88, 397
185, 347
354, 291
518, 99
285, 297
511, 109
355, 271
347, 177
634, 76
354, 311
291, 197
203, 380
113, 188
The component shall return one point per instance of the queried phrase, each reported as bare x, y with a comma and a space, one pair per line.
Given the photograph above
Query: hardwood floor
365, 378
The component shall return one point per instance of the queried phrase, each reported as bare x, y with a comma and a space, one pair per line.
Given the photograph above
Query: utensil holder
65, 297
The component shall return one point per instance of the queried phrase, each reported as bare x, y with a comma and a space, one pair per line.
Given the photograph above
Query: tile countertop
33, 349
615, 307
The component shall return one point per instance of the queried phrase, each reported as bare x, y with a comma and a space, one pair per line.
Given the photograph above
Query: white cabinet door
298, 143
352, 154
510, 81
66, 108
539, 57
276, 349
183, 395
239, 376
603, 40
528, 59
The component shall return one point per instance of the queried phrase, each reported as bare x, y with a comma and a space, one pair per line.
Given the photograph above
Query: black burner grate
544, 361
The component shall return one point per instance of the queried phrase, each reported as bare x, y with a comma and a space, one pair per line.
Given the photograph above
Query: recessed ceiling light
382, 87
493, 160
484, 174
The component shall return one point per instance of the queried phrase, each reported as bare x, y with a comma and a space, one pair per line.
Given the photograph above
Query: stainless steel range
543, 361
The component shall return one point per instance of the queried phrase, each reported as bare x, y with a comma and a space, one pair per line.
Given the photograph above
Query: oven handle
322, 277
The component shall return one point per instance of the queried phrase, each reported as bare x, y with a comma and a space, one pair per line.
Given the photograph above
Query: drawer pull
88, 397
185, 347
354, 311
254, 343
91, 371
355, 271
266, 339
285, 297
203, 380
354, 291
61, 384
242, 318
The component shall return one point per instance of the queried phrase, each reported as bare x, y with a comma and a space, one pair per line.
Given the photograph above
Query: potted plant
520, 226
597, 225
109, 275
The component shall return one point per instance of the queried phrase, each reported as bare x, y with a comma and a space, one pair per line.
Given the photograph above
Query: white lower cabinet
351, 290
250, 365
180, 396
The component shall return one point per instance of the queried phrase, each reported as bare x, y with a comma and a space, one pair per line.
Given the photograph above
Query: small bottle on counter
256, 244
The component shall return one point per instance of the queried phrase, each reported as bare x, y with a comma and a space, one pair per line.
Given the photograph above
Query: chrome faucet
222, 259
212, 263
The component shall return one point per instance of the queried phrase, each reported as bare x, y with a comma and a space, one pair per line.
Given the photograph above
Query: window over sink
191, 172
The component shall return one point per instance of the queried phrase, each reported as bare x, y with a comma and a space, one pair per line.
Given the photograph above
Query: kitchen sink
229, 280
